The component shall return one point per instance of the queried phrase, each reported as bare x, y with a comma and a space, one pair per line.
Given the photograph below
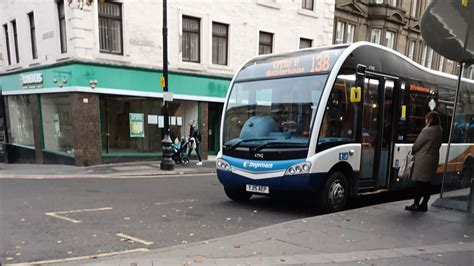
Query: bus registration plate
258, 189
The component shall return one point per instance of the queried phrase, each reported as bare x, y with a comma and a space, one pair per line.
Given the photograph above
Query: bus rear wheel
238, 195
335, 192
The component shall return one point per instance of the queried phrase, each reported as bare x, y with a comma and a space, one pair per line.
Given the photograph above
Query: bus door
377, 131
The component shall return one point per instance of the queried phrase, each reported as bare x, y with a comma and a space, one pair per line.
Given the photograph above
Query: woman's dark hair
432, 118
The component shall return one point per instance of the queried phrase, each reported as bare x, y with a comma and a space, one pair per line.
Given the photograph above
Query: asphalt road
59, 218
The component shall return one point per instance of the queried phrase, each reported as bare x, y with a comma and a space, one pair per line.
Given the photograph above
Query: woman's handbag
406, 167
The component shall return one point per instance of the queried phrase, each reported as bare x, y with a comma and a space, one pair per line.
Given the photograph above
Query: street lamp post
166, 162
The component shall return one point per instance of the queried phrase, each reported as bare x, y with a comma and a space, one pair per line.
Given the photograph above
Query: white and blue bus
333, 122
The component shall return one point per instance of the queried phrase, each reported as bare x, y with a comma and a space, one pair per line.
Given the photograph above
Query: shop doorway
214, 118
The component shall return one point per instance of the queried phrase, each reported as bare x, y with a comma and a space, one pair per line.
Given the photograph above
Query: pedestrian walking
426, 153
195, 140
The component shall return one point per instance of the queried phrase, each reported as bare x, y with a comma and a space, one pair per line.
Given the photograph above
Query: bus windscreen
273, 112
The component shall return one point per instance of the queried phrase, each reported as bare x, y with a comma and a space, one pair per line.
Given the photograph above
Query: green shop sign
117, 79
137, 127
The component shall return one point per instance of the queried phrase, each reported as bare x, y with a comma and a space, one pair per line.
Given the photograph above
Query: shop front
86, 114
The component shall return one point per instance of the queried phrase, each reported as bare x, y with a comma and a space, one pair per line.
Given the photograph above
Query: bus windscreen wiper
286, 144
246, 140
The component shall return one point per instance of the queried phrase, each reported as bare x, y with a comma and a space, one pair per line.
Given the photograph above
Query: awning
446, 26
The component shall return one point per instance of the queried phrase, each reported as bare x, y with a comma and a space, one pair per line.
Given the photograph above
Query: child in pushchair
180, 151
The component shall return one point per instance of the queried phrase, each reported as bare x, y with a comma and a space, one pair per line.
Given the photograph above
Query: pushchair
180, 152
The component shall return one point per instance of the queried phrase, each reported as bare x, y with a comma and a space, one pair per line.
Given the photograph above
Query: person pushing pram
180, 151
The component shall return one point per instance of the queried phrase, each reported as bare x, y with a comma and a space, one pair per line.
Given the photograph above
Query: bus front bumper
287, 183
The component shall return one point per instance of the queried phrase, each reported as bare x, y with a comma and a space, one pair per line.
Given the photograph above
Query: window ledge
308, 13
113, 58
13, 67
269, 4
63, 57
191, 66
220, 67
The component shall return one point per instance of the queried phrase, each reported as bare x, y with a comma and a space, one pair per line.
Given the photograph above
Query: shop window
135, 124
57, 120
21, 120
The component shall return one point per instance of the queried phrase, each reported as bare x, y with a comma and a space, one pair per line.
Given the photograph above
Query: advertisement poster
137, 129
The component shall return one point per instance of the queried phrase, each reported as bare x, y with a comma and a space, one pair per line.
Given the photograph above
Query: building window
423, 55
429, 59
265, 43
379, 1
340, 29
305, 43
307, 4
20, 114
56, 113
110, 27
392, 2
411, 50
414, 8
62, 27
191, 39
344, 33
390, 39
441, 64
220, 38
7, 43
375, 35
34, 51
15, 40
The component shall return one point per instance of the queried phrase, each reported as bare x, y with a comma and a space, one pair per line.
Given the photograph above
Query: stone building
392, 23
80, 79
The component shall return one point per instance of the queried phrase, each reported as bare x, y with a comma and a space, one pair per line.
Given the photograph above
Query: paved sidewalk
377, 235
117, 170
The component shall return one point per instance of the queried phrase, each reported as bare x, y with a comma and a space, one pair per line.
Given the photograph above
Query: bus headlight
301, 168
222, 165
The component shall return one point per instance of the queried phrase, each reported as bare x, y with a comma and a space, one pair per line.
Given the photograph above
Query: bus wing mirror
361, 69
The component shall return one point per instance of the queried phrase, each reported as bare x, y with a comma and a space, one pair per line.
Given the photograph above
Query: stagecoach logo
257, 165
258, 155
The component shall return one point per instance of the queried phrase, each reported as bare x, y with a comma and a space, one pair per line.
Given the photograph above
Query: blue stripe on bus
304, 182
260, 166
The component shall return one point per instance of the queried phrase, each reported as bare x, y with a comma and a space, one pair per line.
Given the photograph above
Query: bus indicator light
404, 113
356, 94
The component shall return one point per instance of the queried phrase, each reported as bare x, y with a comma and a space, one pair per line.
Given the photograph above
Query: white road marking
175, 202
105, 176
144, 242
57, 214
79, 258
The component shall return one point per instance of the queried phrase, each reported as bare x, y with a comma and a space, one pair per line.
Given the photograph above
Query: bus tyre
335, 193
237, 194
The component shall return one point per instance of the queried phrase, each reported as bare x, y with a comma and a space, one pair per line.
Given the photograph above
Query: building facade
80, 80
392, 23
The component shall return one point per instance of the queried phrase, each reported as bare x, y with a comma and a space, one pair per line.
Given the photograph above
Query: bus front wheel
335, 192
237, 194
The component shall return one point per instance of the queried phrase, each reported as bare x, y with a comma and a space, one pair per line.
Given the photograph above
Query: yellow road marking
79, 258
144, 242
57, 214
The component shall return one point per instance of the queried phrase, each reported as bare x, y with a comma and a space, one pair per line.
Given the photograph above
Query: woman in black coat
426, 153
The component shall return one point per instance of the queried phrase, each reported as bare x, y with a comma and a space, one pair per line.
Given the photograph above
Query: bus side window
339, 123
